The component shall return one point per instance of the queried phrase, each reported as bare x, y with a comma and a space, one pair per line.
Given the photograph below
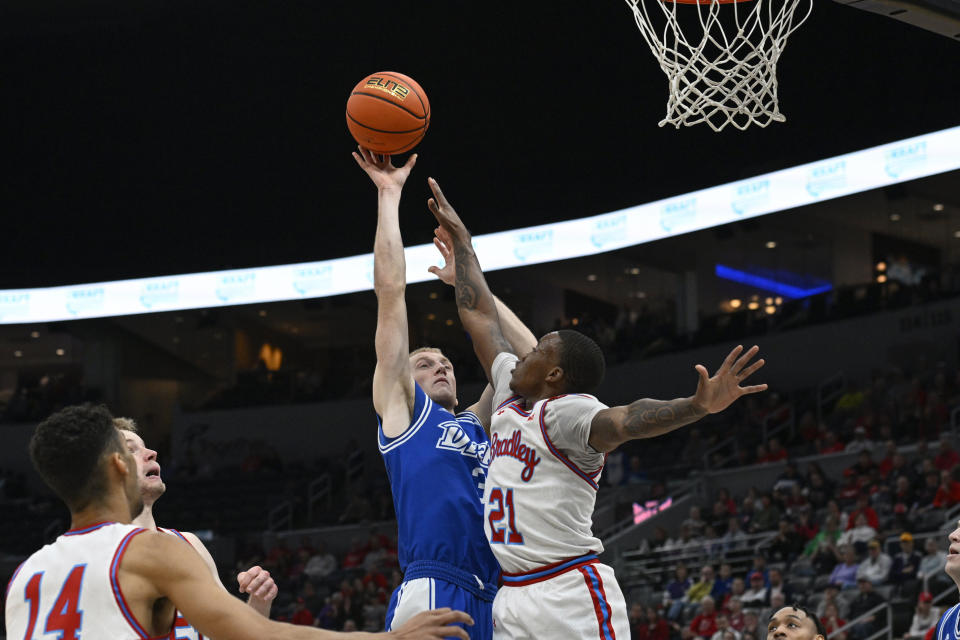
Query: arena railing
886, 631
828, 391
320, 489
280, 517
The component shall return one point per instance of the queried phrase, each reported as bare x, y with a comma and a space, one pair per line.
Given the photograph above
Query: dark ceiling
149, 138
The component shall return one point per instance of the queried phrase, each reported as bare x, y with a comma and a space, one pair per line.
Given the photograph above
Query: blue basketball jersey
948, 627
437, 469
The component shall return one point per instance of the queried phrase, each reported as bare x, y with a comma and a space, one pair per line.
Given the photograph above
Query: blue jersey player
436, 459
948, 628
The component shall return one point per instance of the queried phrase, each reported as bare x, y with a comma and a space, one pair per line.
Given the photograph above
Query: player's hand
443, 243
718, 392
433, 624
381, 170
444, 213
258, 583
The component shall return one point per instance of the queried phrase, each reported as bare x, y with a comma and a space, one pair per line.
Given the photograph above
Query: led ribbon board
801, 185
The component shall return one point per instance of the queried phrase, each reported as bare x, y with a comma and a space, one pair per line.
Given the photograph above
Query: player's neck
113, 509
145, 519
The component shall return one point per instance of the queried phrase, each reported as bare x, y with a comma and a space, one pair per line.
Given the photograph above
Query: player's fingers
745, 358
441, 247
730, 359
264, 591
435, 210
243, 579
746, 373
412, 160
704, 374
435, 187
365, 154
757, 388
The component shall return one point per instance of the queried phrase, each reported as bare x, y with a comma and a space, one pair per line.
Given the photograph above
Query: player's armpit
483, 408
606, 429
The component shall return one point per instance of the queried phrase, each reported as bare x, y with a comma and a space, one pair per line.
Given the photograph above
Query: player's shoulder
572, 401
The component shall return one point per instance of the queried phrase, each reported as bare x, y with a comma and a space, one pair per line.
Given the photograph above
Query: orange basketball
388, 113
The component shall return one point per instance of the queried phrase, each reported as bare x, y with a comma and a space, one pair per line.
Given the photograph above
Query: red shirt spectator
947, 459
868, 511
704, 625
948, 493
658, 630
302, 615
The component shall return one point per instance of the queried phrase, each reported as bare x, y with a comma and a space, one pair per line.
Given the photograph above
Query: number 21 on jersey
65, 616
502, 509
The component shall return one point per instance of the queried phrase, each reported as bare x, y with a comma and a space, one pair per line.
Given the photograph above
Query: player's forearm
389, 264
476, 305
514, 330
648, 418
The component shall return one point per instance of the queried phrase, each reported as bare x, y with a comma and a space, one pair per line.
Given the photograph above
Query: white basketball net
720, 75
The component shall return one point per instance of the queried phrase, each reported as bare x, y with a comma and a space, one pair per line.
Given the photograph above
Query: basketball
388, 113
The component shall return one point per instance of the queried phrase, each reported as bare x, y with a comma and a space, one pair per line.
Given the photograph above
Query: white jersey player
109, 579
255, 581
548, 440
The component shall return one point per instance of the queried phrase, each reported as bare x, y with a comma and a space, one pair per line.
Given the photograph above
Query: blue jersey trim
445, 571
387, 444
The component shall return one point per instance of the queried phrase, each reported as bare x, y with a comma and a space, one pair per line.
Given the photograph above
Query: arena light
772, 284
797, 186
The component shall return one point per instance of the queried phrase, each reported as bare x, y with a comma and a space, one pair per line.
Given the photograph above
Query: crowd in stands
316, 588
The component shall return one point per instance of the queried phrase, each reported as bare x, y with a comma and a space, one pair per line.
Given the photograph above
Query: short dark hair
67, 449
821, 630
581, 360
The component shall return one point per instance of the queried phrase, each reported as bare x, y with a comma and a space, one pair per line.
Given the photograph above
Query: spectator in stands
927, 493
675, 595
723, 495
787, 544
321, 564
947, 458
831, 620
925, 617
755, 597
821, 551
355, 556
860, 535
831, 596
704, 624
734, 609
905, 570
703, 587
863, 506
860, 441
636, 474
636, 618
301, 615
746, 514
805, 527
862, 467
737, 588
767, 517
829, 444
653, 628
723, 626
845, 573
932, 565
778, 586
865, 600
776, 603
902, 494
775, 451
331, 616
721, 588
694, 522
751, 626
718, 517
876, 566
734, 538
685, 541
948, 493
659, 538
819, 490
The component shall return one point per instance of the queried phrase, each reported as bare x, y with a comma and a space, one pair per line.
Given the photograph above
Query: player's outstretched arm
156, 566
475, 303
393, 395
647, 418
514, 330
255, 581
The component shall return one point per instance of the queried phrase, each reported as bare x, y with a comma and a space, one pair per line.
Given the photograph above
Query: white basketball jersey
182, 630
70, 588
542, 482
